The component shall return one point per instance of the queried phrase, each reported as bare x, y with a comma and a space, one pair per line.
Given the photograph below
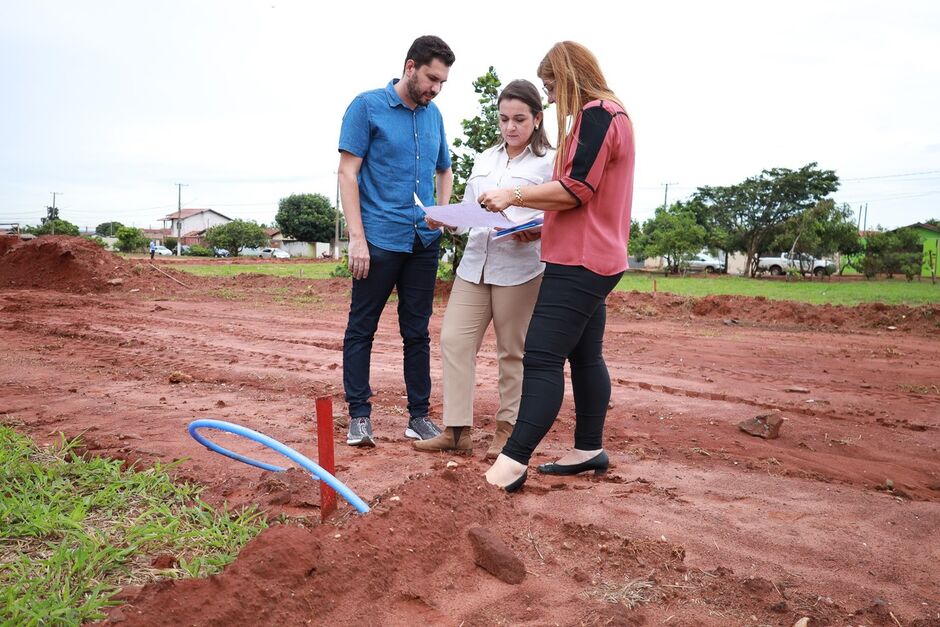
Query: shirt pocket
522, 179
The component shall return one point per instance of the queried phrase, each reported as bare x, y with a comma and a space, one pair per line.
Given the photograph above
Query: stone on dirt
492, 554
765, 426
180, 377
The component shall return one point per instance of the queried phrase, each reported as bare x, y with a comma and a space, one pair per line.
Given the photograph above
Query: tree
718, 224
893, 252
108, 229
636, 241
674, 235
52, 213
819, 231
755, 210
130, 239
54, 227
236, 235
480, 132
306, 217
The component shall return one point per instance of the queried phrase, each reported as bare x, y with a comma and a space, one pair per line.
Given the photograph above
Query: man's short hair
427, 48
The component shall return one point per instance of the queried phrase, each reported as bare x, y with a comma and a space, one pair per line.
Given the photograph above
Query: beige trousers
469, 311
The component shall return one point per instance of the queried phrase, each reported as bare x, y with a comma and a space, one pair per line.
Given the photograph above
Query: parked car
162, 250
781, 263
220, 252
274, 253
704, 263
184, 249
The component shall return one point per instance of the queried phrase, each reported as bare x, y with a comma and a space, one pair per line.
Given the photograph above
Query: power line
890, 176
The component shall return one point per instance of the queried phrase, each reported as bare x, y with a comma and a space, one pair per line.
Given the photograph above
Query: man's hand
434, 224
359, 258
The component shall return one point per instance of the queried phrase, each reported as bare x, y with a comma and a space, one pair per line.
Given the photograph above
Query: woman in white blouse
497, 279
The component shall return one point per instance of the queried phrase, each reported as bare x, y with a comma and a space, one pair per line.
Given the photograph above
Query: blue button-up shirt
400, 149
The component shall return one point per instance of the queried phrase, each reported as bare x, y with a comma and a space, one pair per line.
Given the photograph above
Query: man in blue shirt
392, 147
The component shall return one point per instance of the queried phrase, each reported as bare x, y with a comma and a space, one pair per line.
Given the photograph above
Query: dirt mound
7, 242
412, 560
395, 565
365, 566
61, 262
758, 310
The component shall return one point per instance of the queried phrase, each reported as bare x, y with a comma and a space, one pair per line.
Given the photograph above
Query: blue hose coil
319, 474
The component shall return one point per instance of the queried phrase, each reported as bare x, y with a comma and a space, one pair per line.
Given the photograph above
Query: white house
192, 222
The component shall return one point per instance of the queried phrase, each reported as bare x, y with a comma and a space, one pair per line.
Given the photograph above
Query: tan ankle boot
503, 431
452, 439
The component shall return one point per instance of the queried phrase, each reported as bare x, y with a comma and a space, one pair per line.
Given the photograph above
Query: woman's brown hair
578, 80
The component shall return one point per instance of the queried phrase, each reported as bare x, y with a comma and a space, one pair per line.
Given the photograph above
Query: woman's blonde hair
578, 80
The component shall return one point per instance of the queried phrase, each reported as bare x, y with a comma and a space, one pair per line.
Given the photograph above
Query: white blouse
504, 261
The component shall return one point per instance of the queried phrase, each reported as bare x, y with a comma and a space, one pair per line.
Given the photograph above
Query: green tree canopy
821, 231
54, 227
307, 217
751, 213
672, 234
130, 239
480, 132
236, 235
108, 229
893, 252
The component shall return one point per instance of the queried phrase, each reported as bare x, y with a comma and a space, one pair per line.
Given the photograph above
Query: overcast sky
111, 103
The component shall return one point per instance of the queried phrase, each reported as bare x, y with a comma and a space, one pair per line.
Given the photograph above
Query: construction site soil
696, 523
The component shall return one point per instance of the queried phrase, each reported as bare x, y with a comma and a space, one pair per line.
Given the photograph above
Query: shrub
200, 251
342, 270
445, 271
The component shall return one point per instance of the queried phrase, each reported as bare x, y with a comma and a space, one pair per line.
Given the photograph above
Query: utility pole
336, 224
666, 196
179, 216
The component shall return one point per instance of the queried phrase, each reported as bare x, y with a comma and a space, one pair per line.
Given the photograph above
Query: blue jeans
567, 324
413, 275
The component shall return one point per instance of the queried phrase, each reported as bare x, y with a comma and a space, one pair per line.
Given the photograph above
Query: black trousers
567, 324
413, 275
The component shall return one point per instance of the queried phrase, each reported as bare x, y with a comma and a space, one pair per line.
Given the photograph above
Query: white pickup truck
782, 263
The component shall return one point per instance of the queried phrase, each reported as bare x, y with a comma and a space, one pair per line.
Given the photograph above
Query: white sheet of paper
465, 214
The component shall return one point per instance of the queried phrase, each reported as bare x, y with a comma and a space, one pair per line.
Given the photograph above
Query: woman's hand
528, 236
496, 200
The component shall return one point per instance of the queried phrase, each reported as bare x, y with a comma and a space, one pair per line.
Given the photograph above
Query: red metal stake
325, 450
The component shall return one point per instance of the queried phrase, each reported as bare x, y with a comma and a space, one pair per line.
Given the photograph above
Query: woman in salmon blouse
584, 247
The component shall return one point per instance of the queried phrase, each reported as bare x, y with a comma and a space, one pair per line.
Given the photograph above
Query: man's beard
415, 94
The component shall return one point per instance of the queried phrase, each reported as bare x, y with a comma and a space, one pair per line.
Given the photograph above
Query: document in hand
465, 214
525, 226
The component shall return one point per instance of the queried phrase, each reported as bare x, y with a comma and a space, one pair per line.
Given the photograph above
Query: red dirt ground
697, 522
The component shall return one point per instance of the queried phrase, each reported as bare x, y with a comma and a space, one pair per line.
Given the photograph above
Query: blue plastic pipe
305, 462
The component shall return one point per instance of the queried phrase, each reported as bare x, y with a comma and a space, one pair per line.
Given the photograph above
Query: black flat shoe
599, 464
515, 485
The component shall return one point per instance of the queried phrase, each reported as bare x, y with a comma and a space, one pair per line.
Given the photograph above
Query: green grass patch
76, 529
817, 292
297, 270
228, 293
